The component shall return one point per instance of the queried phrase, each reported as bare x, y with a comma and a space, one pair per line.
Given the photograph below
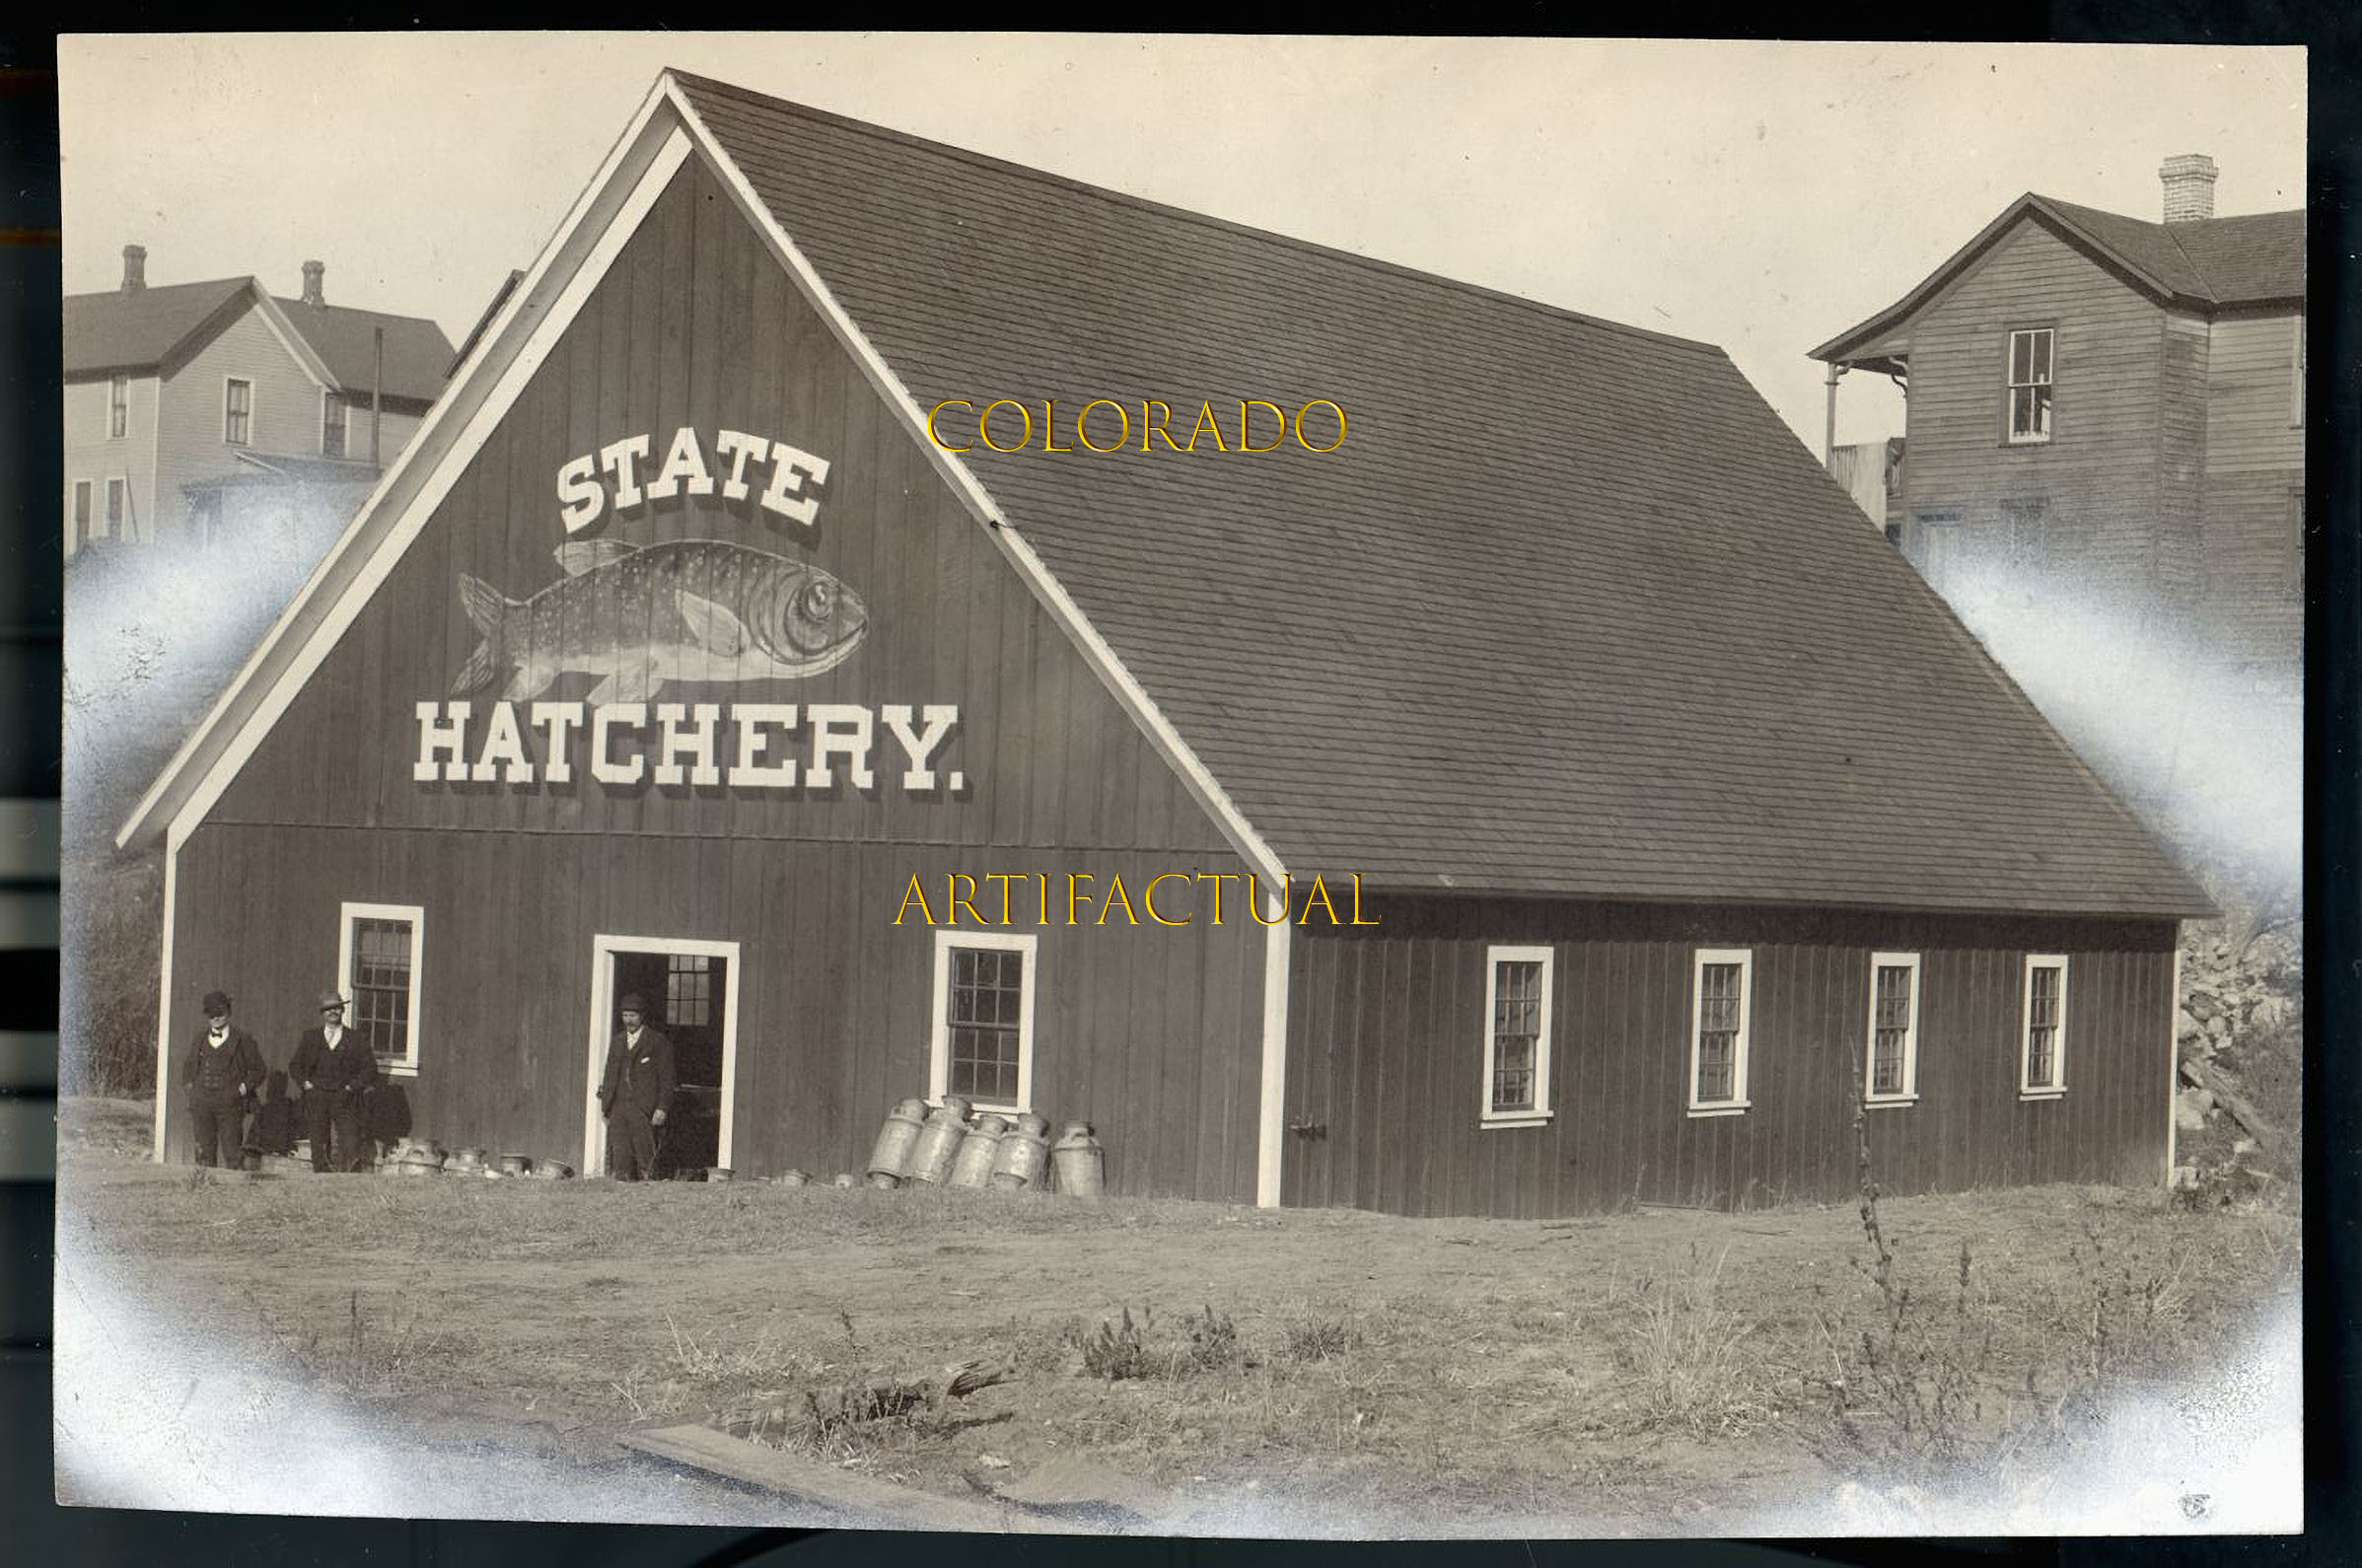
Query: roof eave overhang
1842, 348
2187, 905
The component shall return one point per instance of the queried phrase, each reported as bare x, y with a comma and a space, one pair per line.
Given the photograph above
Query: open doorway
691, 990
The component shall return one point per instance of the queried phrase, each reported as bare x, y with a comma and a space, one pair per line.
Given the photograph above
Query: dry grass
1629, 1372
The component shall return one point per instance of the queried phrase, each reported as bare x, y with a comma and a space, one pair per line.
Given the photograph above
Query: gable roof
116, 331
2204, 264
1569, 611
418, 356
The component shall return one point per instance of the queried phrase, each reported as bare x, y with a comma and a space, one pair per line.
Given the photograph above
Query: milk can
1079, 1162
1023, 1154
972, 1167
897, 1141
958, 1105
939, 1143
794, 1179
842, 1178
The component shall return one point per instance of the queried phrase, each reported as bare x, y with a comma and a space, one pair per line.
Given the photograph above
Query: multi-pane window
118, 500
1892, 1073
238, 412
2030, 384
1718, 1037
118, 407
2044, 1067
1517, 1036
331, 425
688, 989
380, 965
983, 1018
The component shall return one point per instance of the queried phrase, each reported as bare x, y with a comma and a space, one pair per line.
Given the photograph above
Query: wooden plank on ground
861, 1500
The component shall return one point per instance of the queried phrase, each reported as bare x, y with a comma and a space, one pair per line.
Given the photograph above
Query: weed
1690, 1351
1131, 1347
1119, 1350
1316, 1337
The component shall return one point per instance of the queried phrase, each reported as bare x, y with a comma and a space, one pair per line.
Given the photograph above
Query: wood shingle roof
1570, 612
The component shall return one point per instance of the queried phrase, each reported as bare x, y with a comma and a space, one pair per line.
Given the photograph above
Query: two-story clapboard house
2107, 410
195, 408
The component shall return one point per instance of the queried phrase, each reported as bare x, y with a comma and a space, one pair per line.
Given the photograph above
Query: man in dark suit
220, 1073
636, 1093
333, 1068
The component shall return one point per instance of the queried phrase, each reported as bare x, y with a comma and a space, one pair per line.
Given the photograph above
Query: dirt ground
1283, 1372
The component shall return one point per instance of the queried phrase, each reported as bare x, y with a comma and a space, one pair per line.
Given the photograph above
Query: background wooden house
192, 409
2108, 409
1689, 819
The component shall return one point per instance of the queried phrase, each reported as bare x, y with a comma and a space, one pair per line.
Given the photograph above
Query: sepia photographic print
1219, 786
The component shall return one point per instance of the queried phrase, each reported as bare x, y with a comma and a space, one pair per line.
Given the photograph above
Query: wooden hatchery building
888, 602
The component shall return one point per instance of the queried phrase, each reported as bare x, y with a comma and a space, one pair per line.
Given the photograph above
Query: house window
119, 502
238, 412
2030, 355
983, 1019
688, 989
1517, 1036
81, 512
377, 958
1718, 1031
118, 407
2043, 1066
1890, 1075
331, 425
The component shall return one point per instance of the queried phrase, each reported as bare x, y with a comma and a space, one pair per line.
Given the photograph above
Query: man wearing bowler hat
223, 1069
636, 1093
334, 1069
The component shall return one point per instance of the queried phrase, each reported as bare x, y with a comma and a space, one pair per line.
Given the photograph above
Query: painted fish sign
638, 619
642, 616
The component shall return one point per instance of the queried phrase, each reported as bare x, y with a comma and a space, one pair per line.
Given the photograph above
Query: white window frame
115, 520
2011, 386
939, 1043
605, 946
331, 399
1745, 957
347, 915
2057, 1086
1909, 1092
1540, 1112
118, 407
229, 440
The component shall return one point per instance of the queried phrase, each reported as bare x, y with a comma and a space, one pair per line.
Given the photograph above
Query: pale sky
1761, 196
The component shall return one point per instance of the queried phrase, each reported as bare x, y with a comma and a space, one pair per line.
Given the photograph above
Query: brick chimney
2189, 187
314, 271
135, 268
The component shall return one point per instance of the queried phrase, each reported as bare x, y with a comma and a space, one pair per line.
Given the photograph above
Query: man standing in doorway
636, 1093
223, 1068
333, 1070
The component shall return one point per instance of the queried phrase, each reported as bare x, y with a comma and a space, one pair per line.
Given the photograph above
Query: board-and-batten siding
1386, 1052
188, 428
1153, 1035
2099, 473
